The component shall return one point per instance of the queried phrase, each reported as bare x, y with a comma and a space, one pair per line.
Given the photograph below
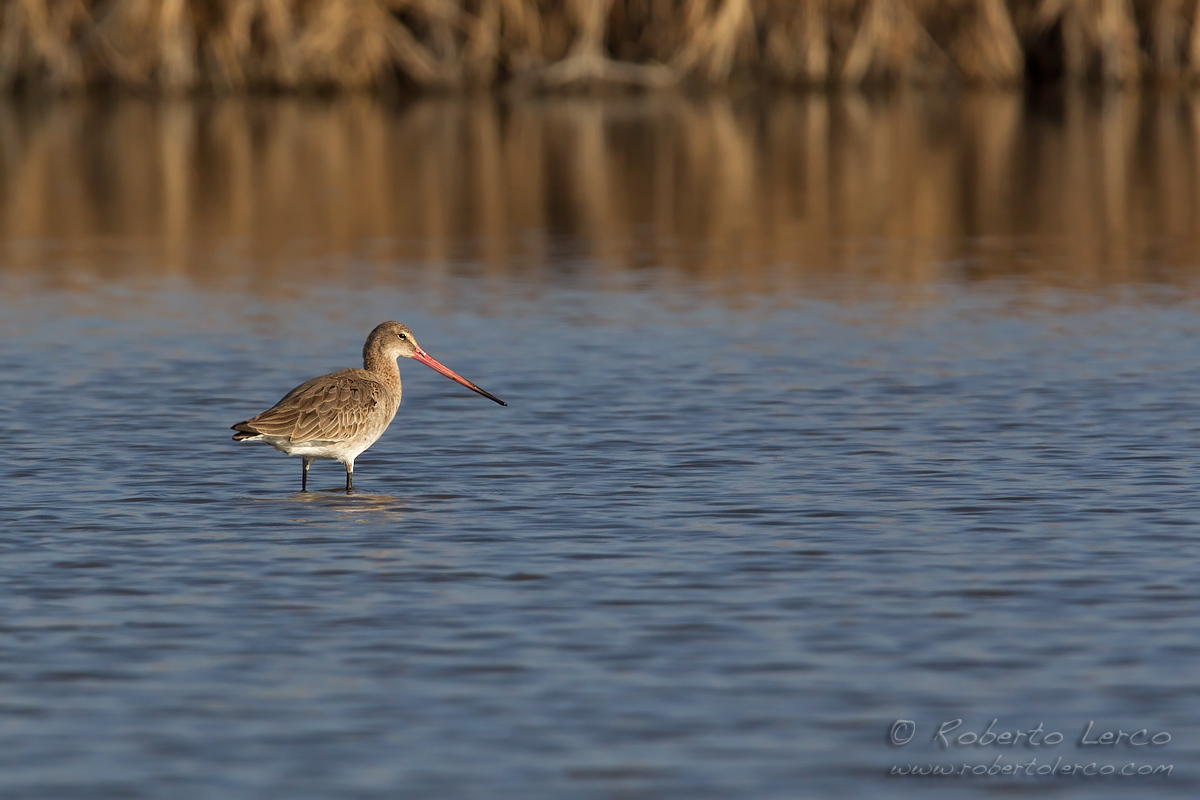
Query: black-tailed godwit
341, 414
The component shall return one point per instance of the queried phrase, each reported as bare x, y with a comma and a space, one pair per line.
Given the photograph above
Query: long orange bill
428, 361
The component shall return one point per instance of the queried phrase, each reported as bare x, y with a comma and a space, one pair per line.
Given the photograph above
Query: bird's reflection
337, 499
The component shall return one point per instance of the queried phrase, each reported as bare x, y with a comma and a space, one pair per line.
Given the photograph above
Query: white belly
341, 451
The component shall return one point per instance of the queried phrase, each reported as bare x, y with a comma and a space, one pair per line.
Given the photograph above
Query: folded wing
332, 408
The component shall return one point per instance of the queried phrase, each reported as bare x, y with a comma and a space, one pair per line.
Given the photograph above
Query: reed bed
176, 46
808, 191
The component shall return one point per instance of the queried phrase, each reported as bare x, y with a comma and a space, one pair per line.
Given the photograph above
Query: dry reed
175, 46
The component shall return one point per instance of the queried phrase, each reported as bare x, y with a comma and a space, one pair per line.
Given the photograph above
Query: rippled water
716, 546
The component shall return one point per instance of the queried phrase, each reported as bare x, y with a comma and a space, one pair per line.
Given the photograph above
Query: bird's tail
245, 433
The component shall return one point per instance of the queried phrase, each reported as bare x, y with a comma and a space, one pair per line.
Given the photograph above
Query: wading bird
341, 414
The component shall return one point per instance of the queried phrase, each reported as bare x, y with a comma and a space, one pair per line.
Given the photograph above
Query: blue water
711, 548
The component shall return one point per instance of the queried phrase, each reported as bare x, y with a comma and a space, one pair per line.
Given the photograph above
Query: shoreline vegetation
227, 46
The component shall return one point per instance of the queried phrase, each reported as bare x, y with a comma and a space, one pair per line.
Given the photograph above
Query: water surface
806, 434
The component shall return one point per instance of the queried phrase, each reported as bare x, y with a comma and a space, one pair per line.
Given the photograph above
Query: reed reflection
732, 195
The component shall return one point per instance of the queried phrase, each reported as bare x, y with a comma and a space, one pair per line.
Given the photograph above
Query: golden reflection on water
735, 194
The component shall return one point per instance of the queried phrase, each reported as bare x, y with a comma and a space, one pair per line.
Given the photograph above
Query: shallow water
735, 522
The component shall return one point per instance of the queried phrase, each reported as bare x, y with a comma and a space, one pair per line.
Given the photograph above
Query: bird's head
395, 340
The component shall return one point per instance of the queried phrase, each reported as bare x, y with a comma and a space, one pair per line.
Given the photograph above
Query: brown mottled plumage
341, 414
329, 408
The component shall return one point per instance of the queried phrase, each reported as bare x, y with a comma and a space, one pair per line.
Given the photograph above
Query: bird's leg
349, 477
304, 474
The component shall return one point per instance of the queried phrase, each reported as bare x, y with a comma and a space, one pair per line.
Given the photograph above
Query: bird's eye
401, 335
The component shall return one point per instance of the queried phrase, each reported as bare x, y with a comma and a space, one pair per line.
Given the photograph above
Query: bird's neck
382, 367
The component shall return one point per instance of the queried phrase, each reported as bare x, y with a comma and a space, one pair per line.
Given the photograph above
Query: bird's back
347, 405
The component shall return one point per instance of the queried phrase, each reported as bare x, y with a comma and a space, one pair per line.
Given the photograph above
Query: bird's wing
331, 408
